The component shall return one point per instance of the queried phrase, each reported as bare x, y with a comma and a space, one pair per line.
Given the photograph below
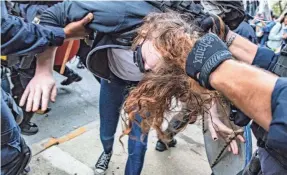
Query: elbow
54, 16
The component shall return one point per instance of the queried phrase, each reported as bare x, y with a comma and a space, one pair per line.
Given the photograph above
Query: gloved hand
214, 24
207, 54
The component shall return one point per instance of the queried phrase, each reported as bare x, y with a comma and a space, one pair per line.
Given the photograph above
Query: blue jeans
264, 39
112, 96
5, 84
10, 137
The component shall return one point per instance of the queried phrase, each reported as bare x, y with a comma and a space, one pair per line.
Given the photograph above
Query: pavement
74, 120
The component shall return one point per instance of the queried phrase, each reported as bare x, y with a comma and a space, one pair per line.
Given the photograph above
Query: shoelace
103, 161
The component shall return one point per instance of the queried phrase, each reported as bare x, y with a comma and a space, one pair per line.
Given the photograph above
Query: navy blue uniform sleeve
265, 58
277, 136
18, 37
109, 16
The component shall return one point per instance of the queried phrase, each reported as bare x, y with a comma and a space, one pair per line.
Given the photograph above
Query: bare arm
250, 91
42, 86
242, 49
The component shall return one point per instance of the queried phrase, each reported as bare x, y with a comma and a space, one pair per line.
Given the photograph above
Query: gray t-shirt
122, 65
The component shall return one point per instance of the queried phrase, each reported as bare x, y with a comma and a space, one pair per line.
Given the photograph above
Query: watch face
138, 59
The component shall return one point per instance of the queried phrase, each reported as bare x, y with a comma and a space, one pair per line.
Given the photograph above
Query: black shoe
29, 128
19, 166
74, 77
80, 65
161, 146
103, 163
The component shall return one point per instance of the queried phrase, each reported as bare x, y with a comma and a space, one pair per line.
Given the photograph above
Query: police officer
21, 75
259, 94
20, 38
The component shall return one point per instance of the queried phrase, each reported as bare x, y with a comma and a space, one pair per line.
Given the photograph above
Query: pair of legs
112, 96
174, 127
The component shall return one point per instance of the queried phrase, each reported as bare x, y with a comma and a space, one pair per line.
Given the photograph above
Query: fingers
30, 99
36, 100
212, 130
221, 127
45, 98
234, 146
54, 93
241, 138
24, 96
87, 19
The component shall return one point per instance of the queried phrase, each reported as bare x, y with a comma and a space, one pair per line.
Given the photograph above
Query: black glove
215, 25
207, 54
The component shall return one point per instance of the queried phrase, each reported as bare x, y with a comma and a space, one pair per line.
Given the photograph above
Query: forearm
45, 61
242, 49
18, 37
250, 91
245, 51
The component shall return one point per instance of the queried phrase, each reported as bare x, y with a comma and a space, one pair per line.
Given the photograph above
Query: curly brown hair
173, 35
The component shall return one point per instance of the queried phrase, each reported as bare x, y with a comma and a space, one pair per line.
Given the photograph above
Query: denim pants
10, 138
112, 96
264, 39
5, 84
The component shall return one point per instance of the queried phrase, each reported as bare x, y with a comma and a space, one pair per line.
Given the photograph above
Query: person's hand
206, 55
215, 25
223, 130
40, 90
77, 30
284, 36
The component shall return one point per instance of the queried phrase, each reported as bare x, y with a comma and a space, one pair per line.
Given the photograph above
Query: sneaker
74, 77
103, 163
161, 146
29, 128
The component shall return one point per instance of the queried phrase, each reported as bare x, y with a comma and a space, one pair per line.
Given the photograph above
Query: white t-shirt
122, 65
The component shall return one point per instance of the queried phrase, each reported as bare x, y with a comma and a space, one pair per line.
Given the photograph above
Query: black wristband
210, 65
